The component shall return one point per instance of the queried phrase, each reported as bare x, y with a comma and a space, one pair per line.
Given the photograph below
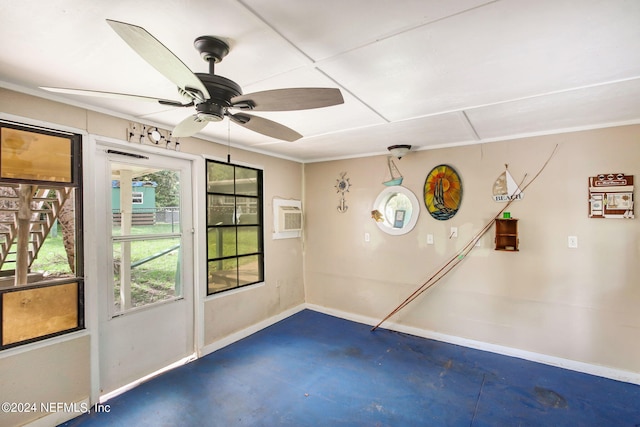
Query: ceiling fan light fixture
399, 151
210, 112
204, 117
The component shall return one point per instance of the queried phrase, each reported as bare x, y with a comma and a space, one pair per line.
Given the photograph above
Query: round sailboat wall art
443, 192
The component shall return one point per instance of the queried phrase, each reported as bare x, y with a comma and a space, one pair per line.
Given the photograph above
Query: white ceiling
429, 73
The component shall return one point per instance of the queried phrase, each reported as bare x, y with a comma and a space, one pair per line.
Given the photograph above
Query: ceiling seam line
470, 126
553, 92
522, 98
310, 59
405, 30
273, 29
373, 110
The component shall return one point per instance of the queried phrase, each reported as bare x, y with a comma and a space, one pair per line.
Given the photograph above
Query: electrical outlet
429, 239
573, 242
454, 232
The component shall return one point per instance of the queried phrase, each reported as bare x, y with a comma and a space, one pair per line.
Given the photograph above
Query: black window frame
260, 223
77, 183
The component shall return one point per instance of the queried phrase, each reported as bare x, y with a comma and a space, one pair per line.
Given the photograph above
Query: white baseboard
117, 392
237, 336
587, 368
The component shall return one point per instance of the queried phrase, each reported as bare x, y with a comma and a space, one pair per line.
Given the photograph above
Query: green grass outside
154, 280
247, 242
151, 281
52, 258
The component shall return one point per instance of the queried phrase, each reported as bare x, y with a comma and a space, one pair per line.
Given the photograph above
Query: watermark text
50, 407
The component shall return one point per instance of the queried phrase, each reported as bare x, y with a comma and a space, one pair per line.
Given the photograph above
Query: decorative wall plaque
611, 196
505, 187
443, 192
342, 185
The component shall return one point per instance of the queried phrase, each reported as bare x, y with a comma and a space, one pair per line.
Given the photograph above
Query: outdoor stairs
45, 208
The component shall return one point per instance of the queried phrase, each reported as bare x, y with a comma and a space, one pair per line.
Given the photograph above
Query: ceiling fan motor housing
221, 90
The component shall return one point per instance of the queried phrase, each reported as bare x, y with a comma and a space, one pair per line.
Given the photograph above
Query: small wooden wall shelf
507, 234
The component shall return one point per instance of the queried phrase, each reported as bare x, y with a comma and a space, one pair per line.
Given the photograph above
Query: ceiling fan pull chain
228, 141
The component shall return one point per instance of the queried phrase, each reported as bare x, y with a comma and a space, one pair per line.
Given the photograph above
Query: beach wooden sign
505, 188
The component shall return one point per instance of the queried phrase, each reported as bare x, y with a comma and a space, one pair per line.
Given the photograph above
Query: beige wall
579, 304
57, 373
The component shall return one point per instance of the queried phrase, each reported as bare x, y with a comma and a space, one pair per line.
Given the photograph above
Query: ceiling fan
212, 95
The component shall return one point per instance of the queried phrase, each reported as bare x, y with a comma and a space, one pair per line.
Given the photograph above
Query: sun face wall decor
443, 192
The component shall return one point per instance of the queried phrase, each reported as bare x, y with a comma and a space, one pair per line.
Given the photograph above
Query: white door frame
96, 230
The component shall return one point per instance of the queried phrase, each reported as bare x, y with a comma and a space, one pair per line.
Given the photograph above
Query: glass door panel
145, 234
153, 272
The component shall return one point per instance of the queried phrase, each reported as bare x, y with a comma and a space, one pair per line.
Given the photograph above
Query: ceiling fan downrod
212, 50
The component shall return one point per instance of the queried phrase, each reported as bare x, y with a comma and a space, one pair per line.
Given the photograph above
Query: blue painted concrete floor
312, 369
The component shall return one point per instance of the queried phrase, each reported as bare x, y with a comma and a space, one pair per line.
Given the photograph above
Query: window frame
78, 278
259, 197
137, 198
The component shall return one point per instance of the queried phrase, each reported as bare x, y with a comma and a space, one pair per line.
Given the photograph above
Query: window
137, 197
41, 269
146, 236
235, 255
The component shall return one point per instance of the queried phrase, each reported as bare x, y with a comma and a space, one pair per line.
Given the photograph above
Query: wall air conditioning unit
287, 219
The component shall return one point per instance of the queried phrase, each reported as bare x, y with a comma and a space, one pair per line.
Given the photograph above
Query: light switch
573, 241
429, 239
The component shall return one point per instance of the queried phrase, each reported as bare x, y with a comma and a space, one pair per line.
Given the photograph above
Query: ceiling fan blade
189, 126
160, 57
113, 95
288, 99
265, 127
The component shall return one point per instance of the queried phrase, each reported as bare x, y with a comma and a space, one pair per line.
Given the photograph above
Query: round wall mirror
396, 210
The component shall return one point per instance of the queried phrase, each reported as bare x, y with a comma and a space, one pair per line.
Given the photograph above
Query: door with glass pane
147, 288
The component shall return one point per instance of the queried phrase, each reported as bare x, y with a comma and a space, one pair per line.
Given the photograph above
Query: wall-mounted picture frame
398, 221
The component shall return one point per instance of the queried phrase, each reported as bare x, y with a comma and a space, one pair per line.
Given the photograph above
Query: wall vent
289, 218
